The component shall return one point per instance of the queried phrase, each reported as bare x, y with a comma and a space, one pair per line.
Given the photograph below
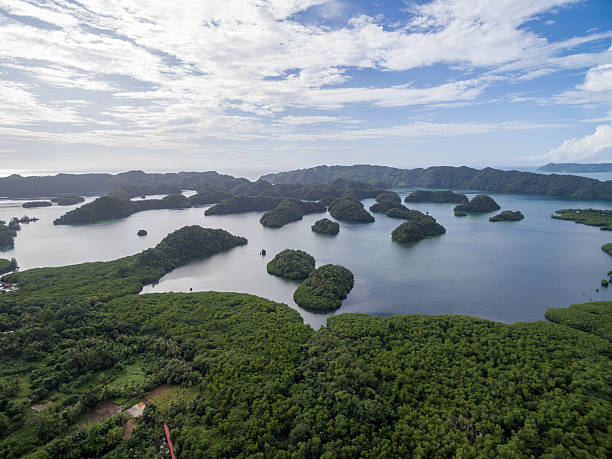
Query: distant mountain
457, 178
138, 182
576, 167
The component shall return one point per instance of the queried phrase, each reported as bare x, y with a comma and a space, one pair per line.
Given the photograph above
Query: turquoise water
503, 271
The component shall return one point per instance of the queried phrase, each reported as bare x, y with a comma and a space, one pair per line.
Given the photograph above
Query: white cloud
231, 69
589, 147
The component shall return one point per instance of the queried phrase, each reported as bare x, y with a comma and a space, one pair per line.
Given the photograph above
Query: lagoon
506, 271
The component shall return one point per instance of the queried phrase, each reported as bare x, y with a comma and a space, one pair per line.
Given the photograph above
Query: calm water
501, 271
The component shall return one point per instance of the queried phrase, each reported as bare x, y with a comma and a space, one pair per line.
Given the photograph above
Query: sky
255, 86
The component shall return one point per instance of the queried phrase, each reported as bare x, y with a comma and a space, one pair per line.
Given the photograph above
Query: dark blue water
507, 271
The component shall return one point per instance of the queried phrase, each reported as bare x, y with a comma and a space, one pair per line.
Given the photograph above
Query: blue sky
248, 86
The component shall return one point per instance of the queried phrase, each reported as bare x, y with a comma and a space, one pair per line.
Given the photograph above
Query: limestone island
325, 289
68, 200
386, 201
460, 213
142, 232
289, 210
404, 213
109, 208
479, 203
31, 204
349, 210
417, 229
326, 226
507, 216
292, 264
436, 196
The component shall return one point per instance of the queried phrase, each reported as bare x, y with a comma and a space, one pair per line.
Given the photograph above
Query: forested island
292, 264
33, 204
349, 210
607, 248
325, 288
326, 226
108, 208
576, 167
239, 369
507, 216
436, 196
459, 178
417, 229
591, 217
290, 210
68, 200
481, 203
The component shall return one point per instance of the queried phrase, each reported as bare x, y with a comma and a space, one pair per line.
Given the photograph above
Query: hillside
576, 167
458, 178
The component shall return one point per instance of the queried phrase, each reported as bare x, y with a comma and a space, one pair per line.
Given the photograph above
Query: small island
325, 289
281, 215
436, 196
349, 210
68, 200
141, 232
404, 213
289, 210
591, 217
240, 204
109, 208
292, 264
417, 229
326, 226
507, 216
386, 201
480, 203
460, 213
607, 248
32, 204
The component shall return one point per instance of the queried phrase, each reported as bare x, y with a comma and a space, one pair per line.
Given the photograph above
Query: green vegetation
240, 204
209, 197
101, 209
68, 200
404, 213
592, 217
386, 201
326, 226
595, 317
289, 210
417, 229
31, 204
436, 196
507, 216
607, 248
389, 196
349, 210
458, 178
325, 289
109, 208
479, 203
292, 264
6, 266
604, 282
250, 379
460, 213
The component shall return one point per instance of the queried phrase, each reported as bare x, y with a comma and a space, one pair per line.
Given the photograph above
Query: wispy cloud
170, 76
